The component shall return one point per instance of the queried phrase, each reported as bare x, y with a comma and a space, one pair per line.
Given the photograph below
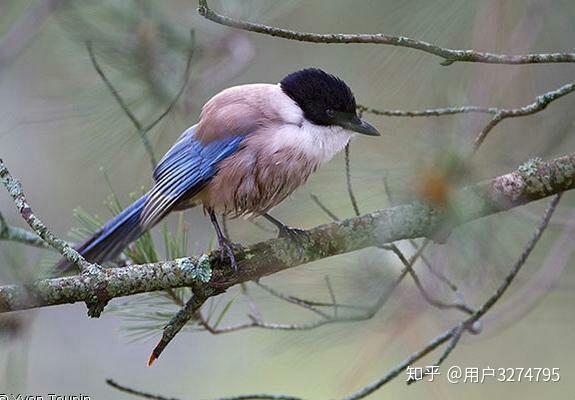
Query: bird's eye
329, 112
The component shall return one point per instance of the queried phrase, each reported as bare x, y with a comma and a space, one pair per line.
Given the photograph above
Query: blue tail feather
110, 240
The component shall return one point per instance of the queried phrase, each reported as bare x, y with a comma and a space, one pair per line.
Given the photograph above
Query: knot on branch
99, 296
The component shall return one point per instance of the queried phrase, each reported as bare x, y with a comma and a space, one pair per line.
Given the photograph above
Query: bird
253, 145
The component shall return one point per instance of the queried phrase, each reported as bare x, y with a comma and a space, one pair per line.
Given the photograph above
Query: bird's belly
252, 183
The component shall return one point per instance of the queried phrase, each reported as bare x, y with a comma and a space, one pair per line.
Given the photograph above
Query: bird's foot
227, 248
294, 236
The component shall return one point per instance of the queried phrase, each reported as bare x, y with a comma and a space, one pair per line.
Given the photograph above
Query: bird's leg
294, 235
226, 246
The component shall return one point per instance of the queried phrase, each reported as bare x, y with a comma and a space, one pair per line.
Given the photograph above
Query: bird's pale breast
273, 162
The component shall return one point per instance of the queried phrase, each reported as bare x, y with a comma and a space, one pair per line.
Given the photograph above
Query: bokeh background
62, 133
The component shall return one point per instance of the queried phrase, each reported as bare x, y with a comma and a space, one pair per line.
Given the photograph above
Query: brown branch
449, 55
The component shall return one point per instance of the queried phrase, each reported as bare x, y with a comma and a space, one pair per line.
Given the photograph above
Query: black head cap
320, 95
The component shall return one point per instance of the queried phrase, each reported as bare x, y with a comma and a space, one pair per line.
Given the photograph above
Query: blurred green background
59, 127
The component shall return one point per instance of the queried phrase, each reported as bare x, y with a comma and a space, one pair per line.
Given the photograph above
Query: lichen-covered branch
532, 181
540, 103
449, 55
14, 188
430, 112
181, 318
15, 234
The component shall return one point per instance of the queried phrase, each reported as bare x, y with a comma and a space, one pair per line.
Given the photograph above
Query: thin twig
431, 112
251, 302
428, 297
324, 208
540, 103
331, 295
368, 313
176, 324
415, 246
14, 188
456, 335
121, 103
449, 55
185, 79
521, 261
150, 396
15, 234
291, 299
138, 393
348, 181
140, 128
448, 335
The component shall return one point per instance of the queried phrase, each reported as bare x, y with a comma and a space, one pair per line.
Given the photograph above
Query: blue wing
184, 171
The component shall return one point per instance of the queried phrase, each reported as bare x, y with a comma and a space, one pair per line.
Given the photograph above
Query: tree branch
15, 190
540, 103
15, 234
453, 335
532, 181
449, 55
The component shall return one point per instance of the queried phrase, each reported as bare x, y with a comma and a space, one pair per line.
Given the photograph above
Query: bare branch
455, 337
140, 128
432, 112
499, 114
415, 246
540, 103
348, 181
185, 79
122, 104
449, 55
15, 190
323, 207
150, 396
176, 324
138, 393
15, 234
292, 300
521, 261
429, 298
468, 323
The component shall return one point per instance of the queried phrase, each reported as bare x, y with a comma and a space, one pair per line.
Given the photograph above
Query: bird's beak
360, 126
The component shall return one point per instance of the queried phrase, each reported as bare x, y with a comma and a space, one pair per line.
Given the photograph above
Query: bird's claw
227, 248
294, 236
